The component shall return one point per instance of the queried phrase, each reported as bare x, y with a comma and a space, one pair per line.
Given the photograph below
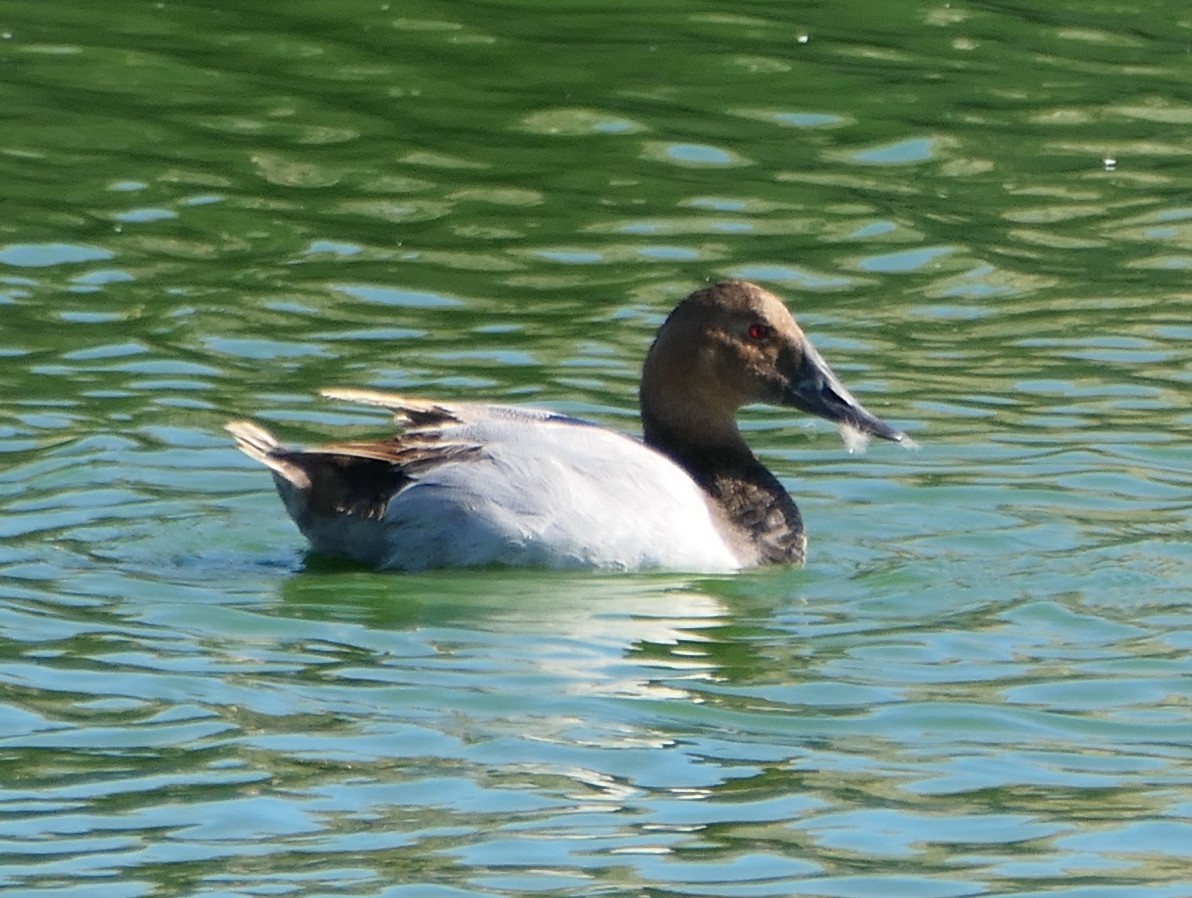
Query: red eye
758, 331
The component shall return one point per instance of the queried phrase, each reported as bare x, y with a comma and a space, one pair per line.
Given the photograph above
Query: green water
980, 683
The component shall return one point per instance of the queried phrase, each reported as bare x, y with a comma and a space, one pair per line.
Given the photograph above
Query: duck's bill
816, 389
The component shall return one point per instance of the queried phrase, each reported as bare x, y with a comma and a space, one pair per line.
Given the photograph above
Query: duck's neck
766, 522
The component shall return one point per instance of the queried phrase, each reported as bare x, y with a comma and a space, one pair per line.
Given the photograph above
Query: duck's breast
554, 493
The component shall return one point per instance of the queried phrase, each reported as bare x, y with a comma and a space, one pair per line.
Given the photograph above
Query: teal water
979, 685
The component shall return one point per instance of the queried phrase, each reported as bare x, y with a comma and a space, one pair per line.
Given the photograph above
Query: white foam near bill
857, 441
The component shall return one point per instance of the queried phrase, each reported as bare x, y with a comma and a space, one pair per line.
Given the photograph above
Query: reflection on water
978, 684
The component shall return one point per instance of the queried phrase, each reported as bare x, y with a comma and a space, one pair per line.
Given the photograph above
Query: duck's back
533, 489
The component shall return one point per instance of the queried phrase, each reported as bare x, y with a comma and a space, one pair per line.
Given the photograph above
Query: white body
543, 490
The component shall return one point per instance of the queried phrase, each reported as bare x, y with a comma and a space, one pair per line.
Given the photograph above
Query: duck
468, 484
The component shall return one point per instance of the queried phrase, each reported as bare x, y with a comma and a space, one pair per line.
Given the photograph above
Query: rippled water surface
979, 685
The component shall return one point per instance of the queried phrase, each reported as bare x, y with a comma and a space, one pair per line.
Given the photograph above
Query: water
978, 685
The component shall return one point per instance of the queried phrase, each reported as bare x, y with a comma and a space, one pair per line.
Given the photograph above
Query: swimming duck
465, 484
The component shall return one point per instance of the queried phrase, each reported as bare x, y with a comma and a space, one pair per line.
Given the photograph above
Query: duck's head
733, 344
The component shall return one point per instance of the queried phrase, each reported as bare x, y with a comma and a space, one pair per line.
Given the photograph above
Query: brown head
729, 345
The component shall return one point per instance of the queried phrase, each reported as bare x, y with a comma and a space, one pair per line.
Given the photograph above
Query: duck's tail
259, 444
